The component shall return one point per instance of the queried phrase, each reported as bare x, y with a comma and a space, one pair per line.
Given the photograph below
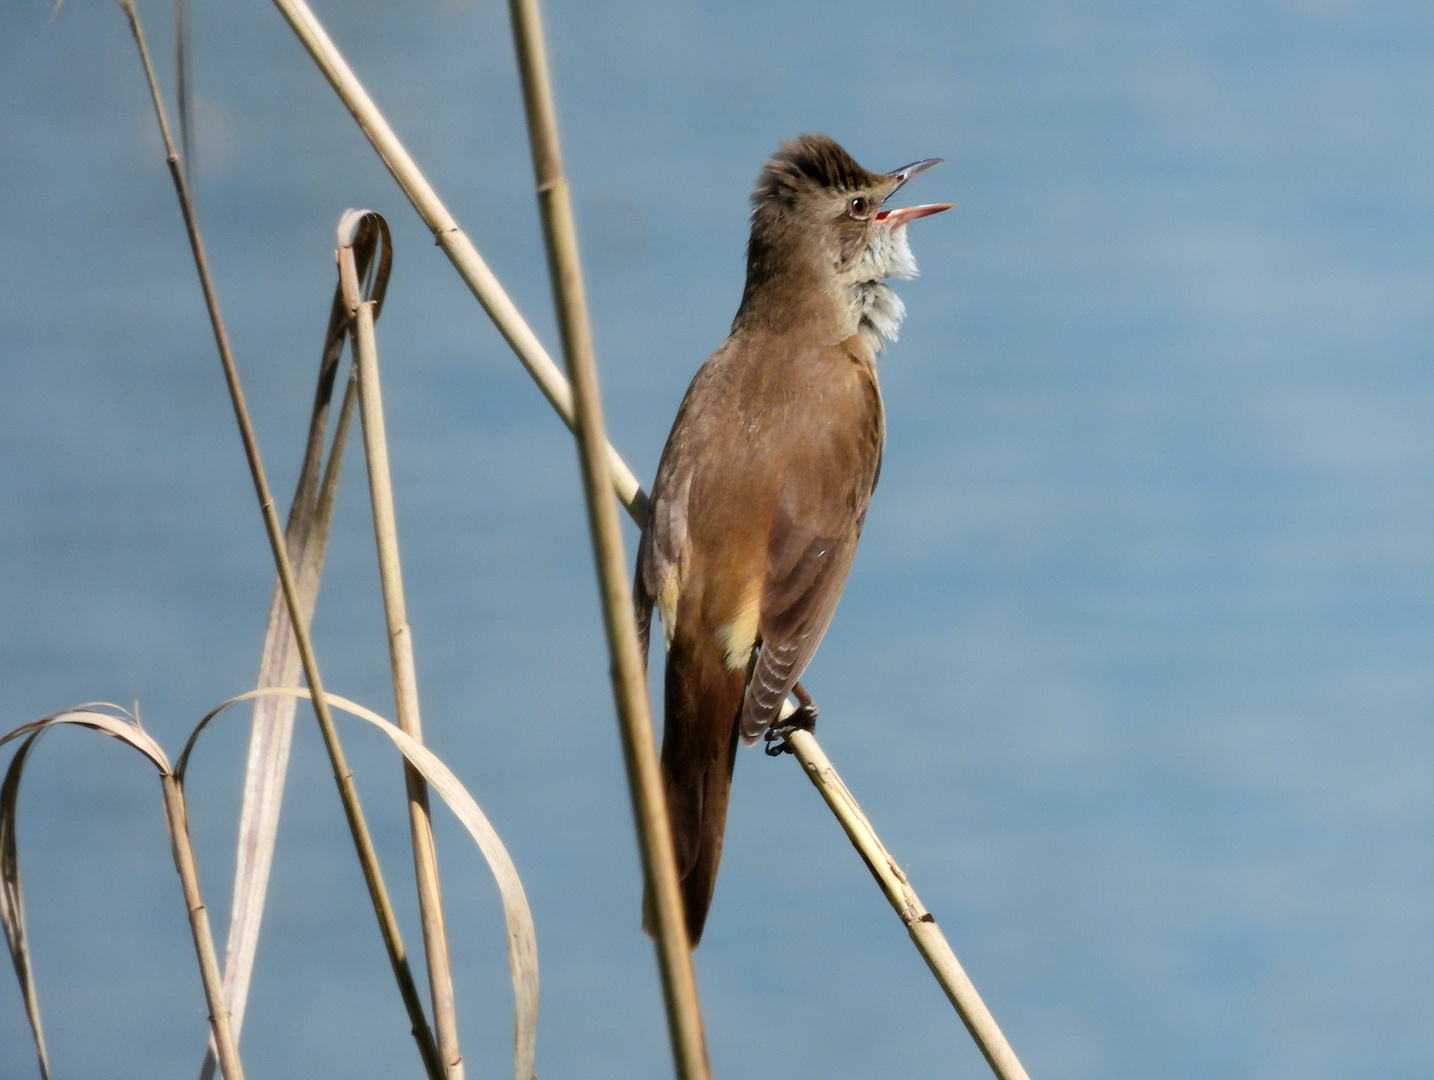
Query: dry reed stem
11, 908
517, 915
454, 242
629, 672
348, 793
485, 287
272, 725
362, 227
925, 934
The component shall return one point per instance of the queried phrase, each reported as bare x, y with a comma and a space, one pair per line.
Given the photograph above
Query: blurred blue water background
1133, 672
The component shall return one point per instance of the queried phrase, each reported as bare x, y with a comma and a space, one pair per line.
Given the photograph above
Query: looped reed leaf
12, 897
367, 233
521, 936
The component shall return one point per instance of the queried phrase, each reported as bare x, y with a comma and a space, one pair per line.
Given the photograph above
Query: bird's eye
858, 206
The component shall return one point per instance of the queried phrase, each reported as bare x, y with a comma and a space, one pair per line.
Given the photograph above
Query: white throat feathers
879, 310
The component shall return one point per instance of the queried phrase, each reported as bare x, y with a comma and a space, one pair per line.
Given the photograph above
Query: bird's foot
802, 718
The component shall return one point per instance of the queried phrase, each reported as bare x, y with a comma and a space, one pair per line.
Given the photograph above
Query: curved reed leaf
521, 935
126, 729
12, 897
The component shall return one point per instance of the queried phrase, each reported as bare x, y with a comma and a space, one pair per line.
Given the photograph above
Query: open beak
895, 219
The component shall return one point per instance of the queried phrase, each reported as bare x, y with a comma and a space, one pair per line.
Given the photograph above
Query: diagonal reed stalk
453, 240
475, 273
629, 672
363, 228
925, 934
12, 913
348, 792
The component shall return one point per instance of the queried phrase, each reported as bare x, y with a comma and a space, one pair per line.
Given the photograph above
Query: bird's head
822, 233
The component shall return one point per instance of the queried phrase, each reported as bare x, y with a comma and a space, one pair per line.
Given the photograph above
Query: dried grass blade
272, 726
12, 897
12, 900
518, 917
126, 729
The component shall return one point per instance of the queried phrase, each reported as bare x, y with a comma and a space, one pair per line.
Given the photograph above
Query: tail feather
703, 702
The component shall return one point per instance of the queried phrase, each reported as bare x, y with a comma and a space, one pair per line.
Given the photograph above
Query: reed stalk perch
481, 281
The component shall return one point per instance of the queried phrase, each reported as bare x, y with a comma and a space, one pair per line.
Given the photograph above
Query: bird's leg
802, 718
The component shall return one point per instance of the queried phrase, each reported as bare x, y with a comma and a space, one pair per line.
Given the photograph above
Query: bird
765, 479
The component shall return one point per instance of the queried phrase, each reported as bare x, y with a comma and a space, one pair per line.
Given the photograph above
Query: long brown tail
703, 701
